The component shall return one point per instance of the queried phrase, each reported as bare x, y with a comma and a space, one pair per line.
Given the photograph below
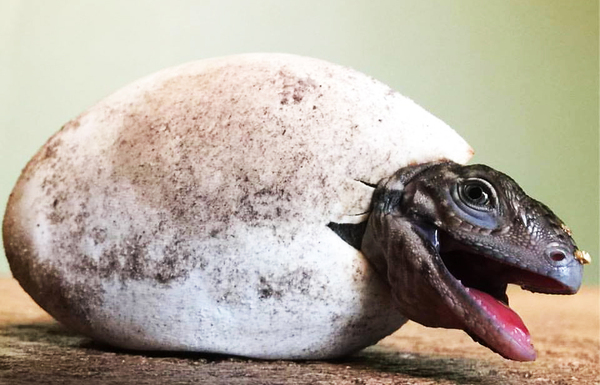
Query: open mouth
464, 284
480, 281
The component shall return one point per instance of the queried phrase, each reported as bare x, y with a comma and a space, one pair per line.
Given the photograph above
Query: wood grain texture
565, 329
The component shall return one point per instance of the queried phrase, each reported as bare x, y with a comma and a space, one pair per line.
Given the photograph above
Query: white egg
188, 211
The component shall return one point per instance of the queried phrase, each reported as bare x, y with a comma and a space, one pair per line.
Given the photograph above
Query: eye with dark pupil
476, 194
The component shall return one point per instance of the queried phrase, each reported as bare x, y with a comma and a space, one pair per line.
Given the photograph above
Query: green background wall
517, 79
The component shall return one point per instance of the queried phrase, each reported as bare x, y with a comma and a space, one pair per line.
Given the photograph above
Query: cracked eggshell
189, 210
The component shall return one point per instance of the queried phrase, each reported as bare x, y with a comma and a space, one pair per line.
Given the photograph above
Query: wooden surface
565, 329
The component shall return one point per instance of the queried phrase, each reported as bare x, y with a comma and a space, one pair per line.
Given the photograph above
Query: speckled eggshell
188, 211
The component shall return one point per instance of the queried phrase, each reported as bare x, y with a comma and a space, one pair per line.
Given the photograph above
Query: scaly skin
437, 224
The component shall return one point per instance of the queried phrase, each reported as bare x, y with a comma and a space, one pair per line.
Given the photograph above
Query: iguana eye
476, 193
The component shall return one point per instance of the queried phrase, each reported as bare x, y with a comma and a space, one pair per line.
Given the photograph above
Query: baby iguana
449, 238
186, 212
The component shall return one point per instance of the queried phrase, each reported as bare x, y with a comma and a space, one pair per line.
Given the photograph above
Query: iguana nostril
557, 256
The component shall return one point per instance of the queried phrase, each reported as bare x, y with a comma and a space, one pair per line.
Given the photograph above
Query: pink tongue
507, 319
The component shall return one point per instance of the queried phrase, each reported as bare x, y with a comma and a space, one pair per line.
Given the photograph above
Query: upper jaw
533, 271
